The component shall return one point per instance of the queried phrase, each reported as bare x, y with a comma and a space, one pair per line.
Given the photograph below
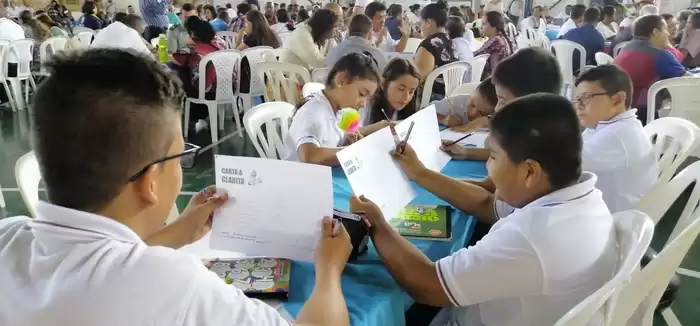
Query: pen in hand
459, 140
402, 145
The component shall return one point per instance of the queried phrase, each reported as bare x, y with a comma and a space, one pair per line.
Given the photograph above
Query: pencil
408, 134
459, 140
385, 116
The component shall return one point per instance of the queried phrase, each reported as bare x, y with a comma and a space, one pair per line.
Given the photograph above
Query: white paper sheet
425, 138
372, 172
276, 207
478, 139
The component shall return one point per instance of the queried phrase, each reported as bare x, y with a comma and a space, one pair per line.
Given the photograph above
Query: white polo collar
584, 187
627, 115
78, 225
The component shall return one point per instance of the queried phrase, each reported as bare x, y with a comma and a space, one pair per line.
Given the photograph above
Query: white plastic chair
2, 199
564, 51
9, 90
283, 79
48, 48
477, 66
618, 47
24, 50
412, 45
285, 37
685, 98
224, 62
229, 39
276, 117
452, 75
28, 177
523, 42
673, 141
602, 58
464, 89
319, 75
81, 29
312, 88
255, 55
634, 230
85, 38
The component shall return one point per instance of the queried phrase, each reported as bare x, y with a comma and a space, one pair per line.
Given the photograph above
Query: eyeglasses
585, 99
187, 160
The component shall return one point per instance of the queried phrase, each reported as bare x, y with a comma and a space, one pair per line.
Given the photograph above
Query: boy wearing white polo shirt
110, 153
537, 262
615, 146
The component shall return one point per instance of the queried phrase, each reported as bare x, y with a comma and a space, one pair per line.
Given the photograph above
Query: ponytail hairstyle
395, 69
496, 20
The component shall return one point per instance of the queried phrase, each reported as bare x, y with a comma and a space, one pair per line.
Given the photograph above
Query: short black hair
608, 11
120, 16
577, 11
437, 12
282, 15
88, 7
610, 78
373, 8
395, 10
242, 8
188, 7
488, 91
591, 15
455, 27
528, 71
91, 135
360, 25
694, 19
544, 128
201, 30
644, 26
228, 5
132, 20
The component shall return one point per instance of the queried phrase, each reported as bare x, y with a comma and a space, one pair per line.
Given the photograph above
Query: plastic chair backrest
634, 230
618, 47
673, 140
82, 29
564, 51
531, 34
275, 116
85, 38
412, 45
229, 39
464, 89
285, 37
312, 88
255, 56
28, 176
319, 75
523, 42
24, 50
224, 62
452, 74
4, 51
51, 46
685, 98
477, 66
602, 58
646, 286
283, 79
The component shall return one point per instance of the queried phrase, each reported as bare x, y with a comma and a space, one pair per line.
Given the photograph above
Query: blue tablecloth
372, 296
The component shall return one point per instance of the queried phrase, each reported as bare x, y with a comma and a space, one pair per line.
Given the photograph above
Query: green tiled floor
15, 141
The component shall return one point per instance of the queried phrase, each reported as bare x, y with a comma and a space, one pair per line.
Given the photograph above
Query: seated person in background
238, 23
456, 31
535, 22
608, 25
309, 43
690, 43
395, 98
645, 60
615, 146
626, 31
467, 113
256, 33
514, 275
436, 49
36, 31
89, 18
208, 13
498, 46
393, 21
682, 20
220, 23
314, 135
358, 41
54, 27
178, 36
121, 35
576, 18
587, 36
381, 38
528, 71
672, 26
284, 24
101, 228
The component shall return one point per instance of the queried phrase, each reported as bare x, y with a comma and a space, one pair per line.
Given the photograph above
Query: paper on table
276, 207
425, 138
476, 140
372, 172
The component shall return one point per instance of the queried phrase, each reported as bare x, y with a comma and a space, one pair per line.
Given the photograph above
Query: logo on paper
351, 166
254, 179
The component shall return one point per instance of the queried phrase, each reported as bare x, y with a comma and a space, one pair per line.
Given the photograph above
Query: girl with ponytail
498, 45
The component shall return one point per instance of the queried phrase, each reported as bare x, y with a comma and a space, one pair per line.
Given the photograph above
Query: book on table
427, 222
263, 278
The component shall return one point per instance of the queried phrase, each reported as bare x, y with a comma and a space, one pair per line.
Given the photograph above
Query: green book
424, 222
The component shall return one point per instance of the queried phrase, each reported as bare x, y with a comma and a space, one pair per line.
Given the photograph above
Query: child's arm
312, 153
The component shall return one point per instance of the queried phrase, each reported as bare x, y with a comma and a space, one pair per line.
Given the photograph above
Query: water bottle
163, 49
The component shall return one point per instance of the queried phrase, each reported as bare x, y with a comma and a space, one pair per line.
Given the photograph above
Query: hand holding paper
409, 162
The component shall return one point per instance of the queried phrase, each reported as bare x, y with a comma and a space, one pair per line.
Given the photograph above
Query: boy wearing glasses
110, 153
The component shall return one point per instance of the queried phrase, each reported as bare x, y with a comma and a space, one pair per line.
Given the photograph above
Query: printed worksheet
425, 138
478, 139
276, 207
372, 172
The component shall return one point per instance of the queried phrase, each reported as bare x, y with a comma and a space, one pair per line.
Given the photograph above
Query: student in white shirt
97, 253
457, 31
381, 37
119, 35
539, 260
573, 22
608, 25
468, 112
314, 135
535, 22
309, 43
395, 98
615, 146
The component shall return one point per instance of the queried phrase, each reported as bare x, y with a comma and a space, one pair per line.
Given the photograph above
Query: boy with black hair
587, 36
110, 152
523, 271
576, 18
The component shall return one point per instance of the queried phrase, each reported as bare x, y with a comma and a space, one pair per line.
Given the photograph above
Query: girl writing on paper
468, 112
396, 95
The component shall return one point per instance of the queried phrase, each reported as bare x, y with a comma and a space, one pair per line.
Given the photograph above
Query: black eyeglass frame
580, 102
194, 150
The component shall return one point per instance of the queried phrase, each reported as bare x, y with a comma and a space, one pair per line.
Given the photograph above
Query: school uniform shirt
303, 51
313, 123
355, 44
536, 262
620, 154
11, 31
117, 35
455, 105
68, 267
537, 25
462, 49
388, 44
569, 24
607, 31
